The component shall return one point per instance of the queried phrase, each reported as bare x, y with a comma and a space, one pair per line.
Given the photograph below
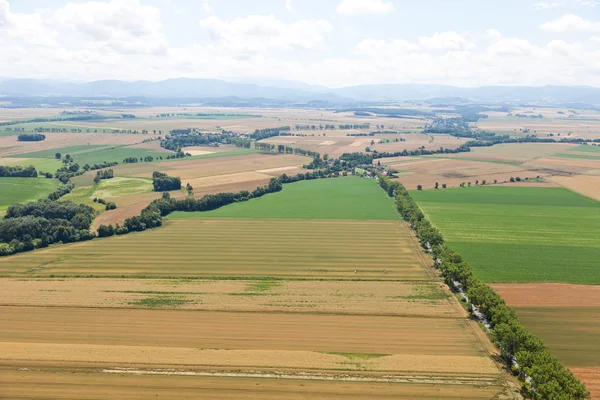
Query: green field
571, 333
95, 154
117, 187
20, 190
586, 148
512, 234
41, 164
579, 156
341, 198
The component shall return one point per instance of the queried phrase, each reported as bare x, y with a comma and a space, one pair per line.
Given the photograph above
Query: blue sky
328, 42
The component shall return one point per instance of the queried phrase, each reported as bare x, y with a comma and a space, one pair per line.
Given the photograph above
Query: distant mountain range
290, 91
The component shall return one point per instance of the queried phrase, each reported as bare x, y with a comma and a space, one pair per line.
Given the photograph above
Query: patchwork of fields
334, 291
522, 237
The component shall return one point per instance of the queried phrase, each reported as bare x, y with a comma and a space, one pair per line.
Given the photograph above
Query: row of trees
266, 133
31, 137
135, 160
18, 172
151, 216
543, 376
38, 224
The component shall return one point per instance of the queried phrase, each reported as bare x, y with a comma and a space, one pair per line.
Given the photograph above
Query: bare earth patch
549, 295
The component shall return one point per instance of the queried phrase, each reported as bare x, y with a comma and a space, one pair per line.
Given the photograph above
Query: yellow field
261, 248
317, 297
95, 385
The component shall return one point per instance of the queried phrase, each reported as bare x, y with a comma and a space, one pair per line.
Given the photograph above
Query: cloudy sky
324, 42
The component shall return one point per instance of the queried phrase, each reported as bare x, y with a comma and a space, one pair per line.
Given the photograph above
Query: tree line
542, 374
151, 216
31, 137
18, 172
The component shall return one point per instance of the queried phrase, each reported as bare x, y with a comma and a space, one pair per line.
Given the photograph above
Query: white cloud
588, 3
548, 5
512, 47
384, 48
493, 35
570, 22
289, 6
124, 26
354, 7
445, 41
206, 6
257, 34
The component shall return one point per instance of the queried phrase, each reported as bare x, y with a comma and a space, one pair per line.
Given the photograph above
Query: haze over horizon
333, 43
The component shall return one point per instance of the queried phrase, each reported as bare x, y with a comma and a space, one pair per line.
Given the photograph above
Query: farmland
558, 313
20, 190
302, 283
512, 234
343, 198
96, 154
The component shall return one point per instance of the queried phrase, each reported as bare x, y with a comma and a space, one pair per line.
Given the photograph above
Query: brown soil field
256, 178
276, 248
94, 385
413, 142
513, 152
333, 297
57, 140
572, 165
201, 168
579, 128
427, 171
591, 377
587, 185
240, 340
549, 295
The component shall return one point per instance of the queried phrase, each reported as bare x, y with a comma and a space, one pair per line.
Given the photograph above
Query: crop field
21, 190
10, 146
224, 247
513, 234
558, 313
428, 170
587, 185
318, 297
75, 385
320, 285
342, 198
96, 154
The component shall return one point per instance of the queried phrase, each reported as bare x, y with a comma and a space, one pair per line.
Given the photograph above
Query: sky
331, 43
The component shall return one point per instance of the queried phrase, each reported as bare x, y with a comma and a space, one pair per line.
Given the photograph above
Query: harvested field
95, 385
564, 165
263, 248
591, 377
201, 168
256, 178
373, 298
549, 295
426, 171
209, 339
62, 140
515, 152
587, 185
